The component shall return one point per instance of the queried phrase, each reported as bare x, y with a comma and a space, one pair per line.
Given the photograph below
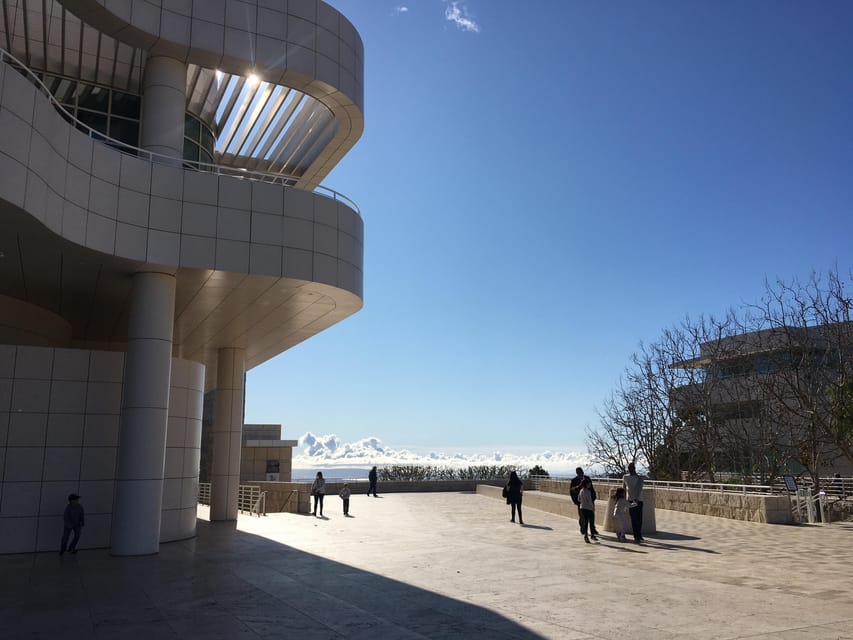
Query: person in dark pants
574, 493
634, 492
515, 489
372, 478
586, 498
345, 494
318, 490
73, 520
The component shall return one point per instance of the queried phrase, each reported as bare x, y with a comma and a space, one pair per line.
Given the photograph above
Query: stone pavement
450, 565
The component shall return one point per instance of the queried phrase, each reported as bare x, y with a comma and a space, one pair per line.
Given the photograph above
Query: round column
163, 106
227, 434
144, 416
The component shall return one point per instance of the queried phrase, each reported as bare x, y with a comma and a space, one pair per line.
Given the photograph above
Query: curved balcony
260, 261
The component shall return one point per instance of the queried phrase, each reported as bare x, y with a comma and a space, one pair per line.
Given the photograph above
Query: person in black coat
371, 477
514, 491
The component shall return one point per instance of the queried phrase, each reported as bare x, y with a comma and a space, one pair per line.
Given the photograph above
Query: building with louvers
163, 229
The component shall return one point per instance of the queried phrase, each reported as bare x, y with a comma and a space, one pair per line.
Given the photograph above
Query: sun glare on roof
253, 79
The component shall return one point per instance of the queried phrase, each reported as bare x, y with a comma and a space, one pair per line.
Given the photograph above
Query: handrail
160, 158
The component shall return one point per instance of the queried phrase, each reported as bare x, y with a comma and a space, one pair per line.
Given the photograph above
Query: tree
538, 471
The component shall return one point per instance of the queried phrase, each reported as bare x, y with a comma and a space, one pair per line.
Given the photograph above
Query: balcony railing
234, 172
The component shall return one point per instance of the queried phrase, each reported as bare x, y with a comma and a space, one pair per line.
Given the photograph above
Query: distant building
163, 232
763, 397
265, 455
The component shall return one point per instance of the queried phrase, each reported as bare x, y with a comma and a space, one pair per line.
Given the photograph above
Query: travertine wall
771, 509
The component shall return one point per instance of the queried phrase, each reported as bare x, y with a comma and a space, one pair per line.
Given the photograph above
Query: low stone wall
751, 507
295, 497
770, 509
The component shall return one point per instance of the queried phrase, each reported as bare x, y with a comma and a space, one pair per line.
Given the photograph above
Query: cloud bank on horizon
327, 451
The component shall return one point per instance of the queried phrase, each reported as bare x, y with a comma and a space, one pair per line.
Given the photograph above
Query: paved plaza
433, 565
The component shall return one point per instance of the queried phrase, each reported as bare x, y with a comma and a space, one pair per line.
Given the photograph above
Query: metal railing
204, 167
204, 493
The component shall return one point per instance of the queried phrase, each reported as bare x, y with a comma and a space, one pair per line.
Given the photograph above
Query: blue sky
545, 185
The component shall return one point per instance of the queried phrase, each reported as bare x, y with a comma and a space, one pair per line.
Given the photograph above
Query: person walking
514, 491
318, 490
574, 493
73, 519
586, 498
633, 484
345, 494
371, 477
620, 512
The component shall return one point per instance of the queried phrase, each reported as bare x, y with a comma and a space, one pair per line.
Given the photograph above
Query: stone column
144, 416
164, 104
227, 433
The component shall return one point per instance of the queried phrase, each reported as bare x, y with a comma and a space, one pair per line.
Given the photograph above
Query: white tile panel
103, 198
100, 233
106, 366
206, 36
67, 396
135, 174
176, 431
80, 150
299, 204
30, 396
34, 362
235, 193
132, 207
232, 255
96, 496
200, 188
174, 466
199, 253
77, 186
61, 463
24, 465
267, 198
103, 397
36, 196
234, 224
271, 23
266, 229
297, 264
54, 497
265, 260
27, 429
167, 181
171, 492
7, 360
15, 140
163, 247
98, 463
5, 398
325, 269
131, 242
13, 181
298, 233
101, 430
325, 240
104, 165
18, 534
199, 220
65, 429
19, 96
165, 214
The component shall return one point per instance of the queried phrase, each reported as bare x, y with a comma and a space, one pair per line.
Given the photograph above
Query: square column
227, 434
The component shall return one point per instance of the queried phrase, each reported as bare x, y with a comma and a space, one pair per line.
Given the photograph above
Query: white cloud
401, 9
458, 15
328, 452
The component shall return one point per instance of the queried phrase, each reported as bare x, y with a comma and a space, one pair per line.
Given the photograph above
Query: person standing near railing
634, 491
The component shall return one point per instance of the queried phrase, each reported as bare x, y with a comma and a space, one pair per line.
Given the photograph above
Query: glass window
192, 128
125, 105
190, 150
93, 98
98, 121
125, 130
207, 139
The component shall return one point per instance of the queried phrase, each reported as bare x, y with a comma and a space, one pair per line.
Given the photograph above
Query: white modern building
162, 231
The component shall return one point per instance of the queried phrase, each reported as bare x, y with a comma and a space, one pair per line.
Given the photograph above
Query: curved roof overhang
276, 104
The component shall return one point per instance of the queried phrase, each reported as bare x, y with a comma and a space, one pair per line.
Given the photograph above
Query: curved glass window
198, 140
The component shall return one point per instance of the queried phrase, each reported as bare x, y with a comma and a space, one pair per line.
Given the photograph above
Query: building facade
163, 232
770, 402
